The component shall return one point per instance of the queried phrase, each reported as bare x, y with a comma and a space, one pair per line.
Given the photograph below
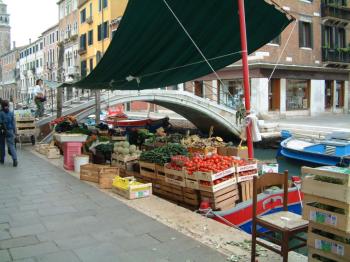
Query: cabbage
132, 148
126, 144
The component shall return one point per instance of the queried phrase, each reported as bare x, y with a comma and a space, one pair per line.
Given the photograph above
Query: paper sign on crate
327, 212
210, 176
248, 167
329, 240
245, 178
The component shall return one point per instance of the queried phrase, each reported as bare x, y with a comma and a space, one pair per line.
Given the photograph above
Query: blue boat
334, 150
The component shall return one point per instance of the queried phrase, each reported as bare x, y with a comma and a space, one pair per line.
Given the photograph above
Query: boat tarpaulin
152, 47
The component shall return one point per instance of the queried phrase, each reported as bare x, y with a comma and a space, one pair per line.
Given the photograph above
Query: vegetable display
214, 163
162, 155
126, 150
197, 142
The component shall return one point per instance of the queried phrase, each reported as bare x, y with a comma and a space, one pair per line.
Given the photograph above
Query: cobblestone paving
47, 215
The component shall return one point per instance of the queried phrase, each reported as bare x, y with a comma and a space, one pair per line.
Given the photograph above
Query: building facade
10, 72
5, 29
69, 64
31, 65
50, 39
303, 72
98, 20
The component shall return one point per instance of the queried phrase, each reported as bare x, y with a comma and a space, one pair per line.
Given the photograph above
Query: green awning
151, 49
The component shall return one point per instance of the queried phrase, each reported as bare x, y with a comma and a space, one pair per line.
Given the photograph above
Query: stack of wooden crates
26, 127
327, 207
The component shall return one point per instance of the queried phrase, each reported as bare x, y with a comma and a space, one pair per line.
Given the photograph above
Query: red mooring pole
245, 72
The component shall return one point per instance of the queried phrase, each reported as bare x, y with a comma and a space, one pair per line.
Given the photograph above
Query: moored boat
151, 124
331, 151
270, 201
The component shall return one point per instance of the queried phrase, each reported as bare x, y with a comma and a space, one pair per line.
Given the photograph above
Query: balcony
335, 11
336, 56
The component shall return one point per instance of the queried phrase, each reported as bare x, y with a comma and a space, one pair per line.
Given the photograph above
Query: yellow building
97, 24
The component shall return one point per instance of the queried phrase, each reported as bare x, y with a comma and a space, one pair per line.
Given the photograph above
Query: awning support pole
245, 72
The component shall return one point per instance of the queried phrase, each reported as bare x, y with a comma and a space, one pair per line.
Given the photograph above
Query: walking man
39, 98
7, 133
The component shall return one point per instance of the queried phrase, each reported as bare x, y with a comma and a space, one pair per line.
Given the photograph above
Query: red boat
151, 124
270, 201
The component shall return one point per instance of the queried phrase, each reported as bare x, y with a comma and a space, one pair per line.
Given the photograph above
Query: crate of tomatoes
211, 168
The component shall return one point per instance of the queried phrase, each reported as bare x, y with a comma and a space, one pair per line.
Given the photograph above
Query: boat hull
311, 157
241, 215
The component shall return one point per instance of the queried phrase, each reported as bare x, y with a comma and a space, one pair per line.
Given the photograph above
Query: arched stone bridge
202, 112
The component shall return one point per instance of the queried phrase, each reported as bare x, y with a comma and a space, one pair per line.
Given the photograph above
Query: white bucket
79, 161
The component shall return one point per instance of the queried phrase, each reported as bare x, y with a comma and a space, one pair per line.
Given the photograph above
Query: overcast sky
29, 18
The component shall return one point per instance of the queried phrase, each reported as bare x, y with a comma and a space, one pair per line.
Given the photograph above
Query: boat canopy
166, 42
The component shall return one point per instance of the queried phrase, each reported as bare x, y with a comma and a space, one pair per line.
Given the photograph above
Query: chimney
30, 40
14, 44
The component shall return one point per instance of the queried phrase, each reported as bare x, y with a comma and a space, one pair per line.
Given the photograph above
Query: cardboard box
240, 152
269, 168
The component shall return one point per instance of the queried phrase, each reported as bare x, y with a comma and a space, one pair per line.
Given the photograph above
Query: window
90, 10
105, 3
37, 63
99, 5
91, 64
305, 34
83, 42
105, 30
339, 94
99, 35
91, 37
341, 38
83, 68
68, 6
276, 40
298, 93
83, 16
41, 45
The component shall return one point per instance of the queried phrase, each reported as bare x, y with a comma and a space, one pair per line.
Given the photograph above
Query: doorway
274, 94
329, 94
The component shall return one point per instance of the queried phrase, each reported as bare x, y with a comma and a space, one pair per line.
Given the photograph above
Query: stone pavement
48, 215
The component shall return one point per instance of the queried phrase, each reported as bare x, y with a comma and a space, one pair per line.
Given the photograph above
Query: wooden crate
339, 192
325, 214
322, 238
160, 172
92, 173
192, 184
222, 199
175, 180
246, 190
106, 178
217, 187
148, 170
170, 171
168, 191
321, 256
53, 152
191, 197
